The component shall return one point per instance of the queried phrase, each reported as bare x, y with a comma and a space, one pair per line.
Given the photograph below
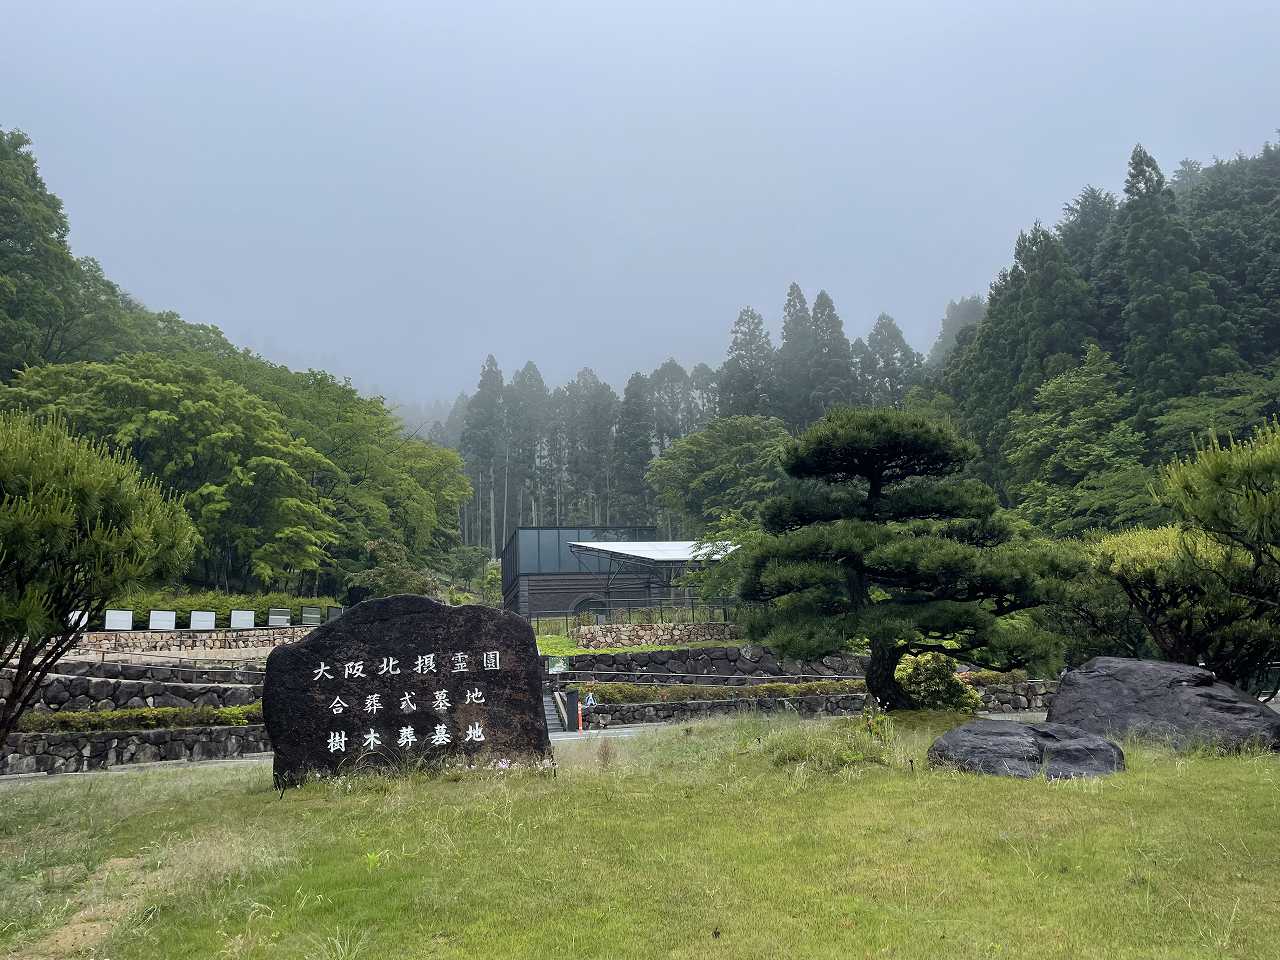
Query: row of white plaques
168, 619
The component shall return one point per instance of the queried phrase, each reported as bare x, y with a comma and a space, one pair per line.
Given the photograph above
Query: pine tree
790, 396
881, 544
744, 379
632, 452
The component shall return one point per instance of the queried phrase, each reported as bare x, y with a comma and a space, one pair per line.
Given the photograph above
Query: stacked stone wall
594, 636
70, 692
150, 641
1018, 696
75, 752
713, 665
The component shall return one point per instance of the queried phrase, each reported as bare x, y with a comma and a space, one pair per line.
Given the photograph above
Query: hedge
678, 692
141, 602
141, 718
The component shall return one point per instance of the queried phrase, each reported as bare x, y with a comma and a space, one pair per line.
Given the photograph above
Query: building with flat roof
560, 570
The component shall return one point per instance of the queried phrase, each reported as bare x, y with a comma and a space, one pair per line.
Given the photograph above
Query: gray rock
1009, 749
1116, 696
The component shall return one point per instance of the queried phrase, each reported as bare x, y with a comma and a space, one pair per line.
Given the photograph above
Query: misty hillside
1114, 339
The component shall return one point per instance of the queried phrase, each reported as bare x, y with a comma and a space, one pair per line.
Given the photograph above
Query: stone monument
406, 678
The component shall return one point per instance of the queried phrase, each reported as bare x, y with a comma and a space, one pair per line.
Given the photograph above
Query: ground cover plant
138, 718
745, 838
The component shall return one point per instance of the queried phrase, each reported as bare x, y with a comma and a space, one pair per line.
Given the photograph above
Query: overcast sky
392, 190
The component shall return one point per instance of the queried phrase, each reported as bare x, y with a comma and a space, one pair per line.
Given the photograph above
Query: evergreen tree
704, 396
1076, 457
831, 377
525, 402
889, 366
882, 545
746, 375
484, 447
959, 315
672, 403
790, 396
1175, 329
1039, 316
1084, 223
632, 452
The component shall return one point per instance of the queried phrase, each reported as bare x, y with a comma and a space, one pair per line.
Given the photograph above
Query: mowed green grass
743, 838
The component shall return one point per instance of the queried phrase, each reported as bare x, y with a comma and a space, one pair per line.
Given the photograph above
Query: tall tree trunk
506, 470
881, 683
493, 539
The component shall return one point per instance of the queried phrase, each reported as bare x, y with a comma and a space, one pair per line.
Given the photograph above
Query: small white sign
163, 620
202, 619
278, 618
119, 619
241, 619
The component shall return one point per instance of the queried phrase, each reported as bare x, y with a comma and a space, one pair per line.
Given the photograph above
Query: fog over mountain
392, 193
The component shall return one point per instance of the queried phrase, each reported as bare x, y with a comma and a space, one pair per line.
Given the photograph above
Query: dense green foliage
78, 523
139, 718
289, 477
882, 545
931, 681
678, 692
1132, 329
220, 603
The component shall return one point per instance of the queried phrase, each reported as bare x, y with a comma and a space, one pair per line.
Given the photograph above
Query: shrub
677, 692
141, 718
830, 747
930, 680
182, 603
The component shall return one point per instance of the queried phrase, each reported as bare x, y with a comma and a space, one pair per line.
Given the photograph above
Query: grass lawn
555, 645
740, 838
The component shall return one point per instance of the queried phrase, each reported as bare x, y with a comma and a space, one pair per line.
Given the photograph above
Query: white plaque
163, 620
241, 619
119, 619
202, 619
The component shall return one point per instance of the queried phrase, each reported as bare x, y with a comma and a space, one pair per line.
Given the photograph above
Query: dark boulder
1173, 702
1009, 749
405, 678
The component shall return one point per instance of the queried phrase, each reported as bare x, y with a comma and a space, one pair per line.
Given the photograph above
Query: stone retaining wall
147, 641
713, 665
593, 636
68, 692
192, 672
72, 752
614, 714
1021, 695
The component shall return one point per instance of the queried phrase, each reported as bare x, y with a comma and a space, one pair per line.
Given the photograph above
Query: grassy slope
556, 645
715, 842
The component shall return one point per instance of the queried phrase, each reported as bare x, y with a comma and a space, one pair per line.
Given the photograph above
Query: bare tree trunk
493, 539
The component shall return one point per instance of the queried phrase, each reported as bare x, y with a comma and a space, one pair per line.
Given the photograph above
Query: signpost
406, 678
